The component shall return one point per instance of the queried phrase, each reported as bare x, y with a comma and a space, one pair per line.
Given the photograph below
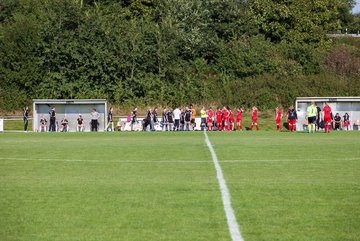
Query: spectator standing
110, 120
170, 119
52, 113
164, 120
318, 117
177, 115
154, 119
134, 118
26, 118
94, 120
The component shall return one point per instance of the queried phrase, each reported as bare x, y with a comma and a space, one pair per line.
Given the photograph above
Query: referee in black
52, 113
26, 118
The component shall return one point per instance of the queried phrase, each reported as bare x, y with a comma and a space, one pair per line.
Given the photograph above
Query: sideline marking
170, 161
225, 195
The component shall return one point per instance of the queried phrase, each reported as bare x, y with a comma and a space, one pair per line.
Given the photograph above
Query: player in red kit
226, 115
231, 119
209, 120
278, 116
327, 117
239, 119
254, 117
218, 114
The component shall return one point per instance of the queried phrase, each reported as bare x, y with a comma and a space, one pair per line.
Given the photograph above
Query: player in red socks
239, 119
218, 114
291, 118
210, 118
231, 119
226, 115
278, 116
254, 117
327, 117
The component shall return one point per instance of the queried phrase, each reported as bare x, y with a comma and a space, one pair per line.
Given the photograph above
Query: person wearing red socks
278, 116
239, 119
218, 114
226, 116
327, 117
231, 119
210, 116
254, 117
291, 118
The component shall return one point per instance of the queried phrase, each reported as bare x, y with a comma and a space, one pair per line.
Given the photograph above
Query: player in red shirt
231, 119
226, 115
278, 116
327, 117
209, 120
218, 114
254, 118
239, 119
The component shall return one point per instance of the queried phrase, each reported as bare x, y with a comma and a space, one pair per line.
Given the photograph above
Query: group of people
183, 119
54, 125
326, 120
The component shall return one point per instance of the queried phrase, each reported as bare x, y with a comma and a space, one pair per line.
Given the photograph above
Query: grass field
163, 186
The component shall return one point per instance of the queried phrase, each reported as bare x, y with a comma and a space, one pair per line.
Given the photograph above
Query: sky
356, 9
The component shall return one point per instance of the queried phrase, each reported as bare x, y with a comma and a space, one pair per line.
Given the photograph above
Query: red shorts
218, 121
327, 119
238, 120
292, 122
254, 120
278, 121
209, 121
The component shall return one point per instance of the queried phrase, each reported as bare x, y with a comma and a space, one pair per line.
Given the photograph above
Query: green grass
162, 186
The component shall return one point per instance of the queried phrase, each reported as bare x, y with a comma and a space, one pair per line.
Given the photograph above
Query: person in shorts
239, 114
193, 116
110, 120
43, 124
337, 123
187, 118
254, 119
291, 118
210, 119
327, 115
311, 115
278, 117
177, 116
80, 124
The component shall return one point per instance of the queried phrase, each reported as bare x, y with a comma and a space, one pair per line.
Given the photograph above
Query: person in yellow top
311, 115
203, 116
193, 115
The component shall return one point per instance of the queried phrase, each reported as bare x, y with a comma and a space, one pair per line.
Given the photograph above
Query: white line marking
225, 195
169, 161
96, 161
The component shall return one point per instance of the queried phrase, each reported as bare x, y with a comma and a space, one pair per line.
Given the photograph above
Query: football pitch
163, 186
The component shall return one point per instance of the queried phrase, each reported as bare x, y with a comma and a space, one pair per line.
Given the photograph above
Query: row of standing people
221, 119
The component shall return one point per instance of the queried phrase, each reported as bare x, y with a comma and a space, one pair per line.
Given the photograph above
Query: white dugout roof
341, 105
71, 108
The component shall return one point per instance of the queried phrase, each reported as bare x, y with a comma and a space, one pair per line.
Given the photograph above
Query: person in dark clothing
110, 120
337, 123
154, 119
94, 120
26, 118
52, 126
134, 118
148, 119
318, 126
187, 118
170, 119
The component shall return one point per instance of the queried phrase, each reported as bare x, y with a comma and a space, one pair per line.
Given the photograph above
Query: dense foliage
161, 52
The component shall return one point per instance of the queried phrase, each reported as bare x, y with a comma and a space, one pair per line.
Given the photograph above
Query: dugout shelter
71, 108
341, 105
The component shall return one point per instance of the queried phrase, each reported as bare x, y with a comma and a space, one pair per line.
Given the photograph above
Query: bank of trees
161, 52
